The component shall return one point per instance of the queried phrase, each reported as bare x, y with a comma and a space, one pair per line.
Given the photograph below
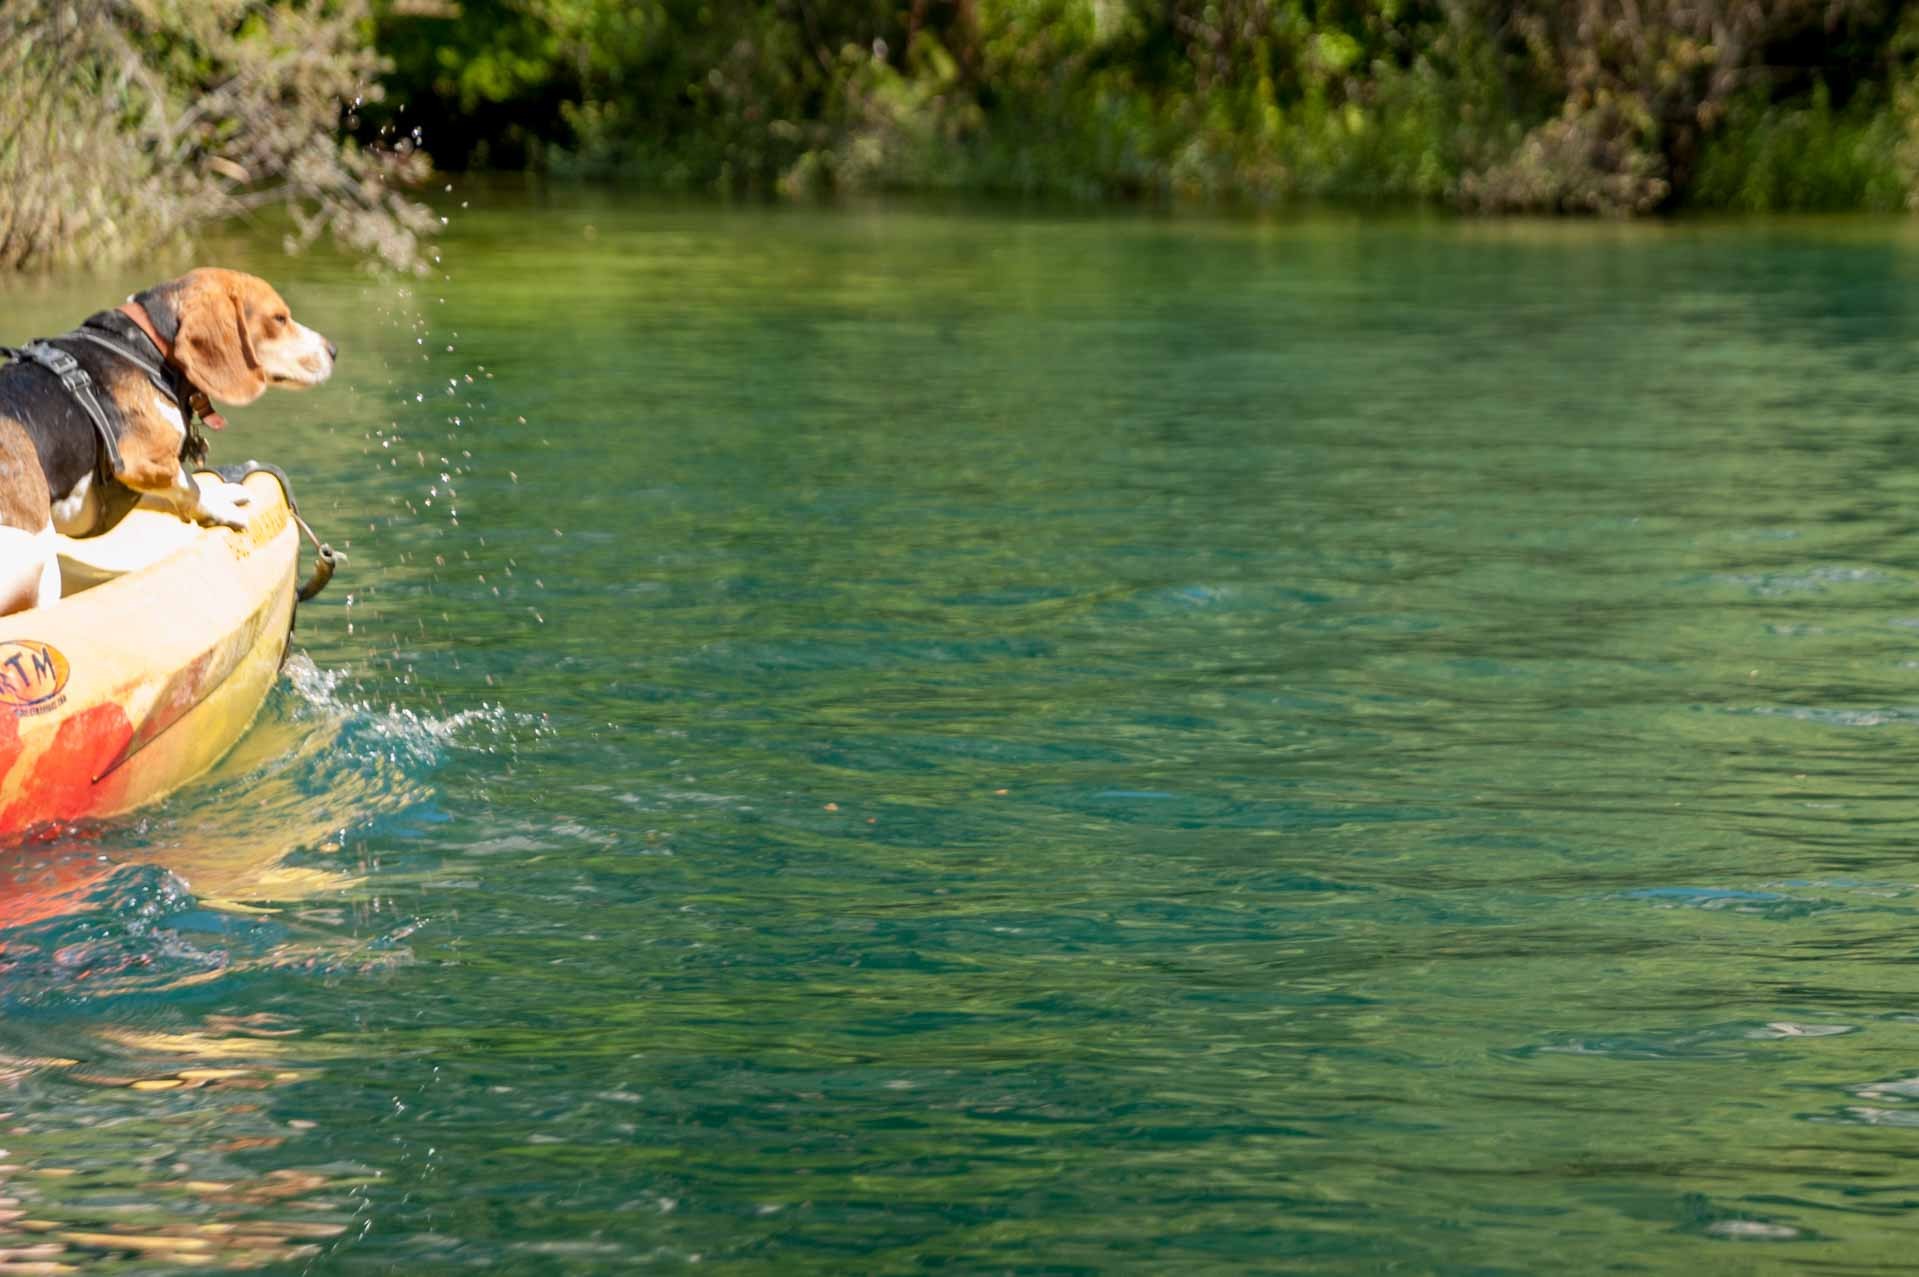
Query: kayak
154, 662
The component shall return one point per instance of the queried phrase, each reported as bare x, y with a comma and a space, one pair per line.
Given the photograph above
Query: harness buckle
75, 381
56, 361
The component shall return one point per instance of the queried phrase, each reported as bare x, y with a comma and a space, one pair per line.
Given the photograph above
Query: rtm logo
31, 673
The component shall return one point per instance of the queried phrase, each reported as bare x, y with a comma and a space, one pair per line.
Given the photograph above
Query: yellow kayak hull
143, 678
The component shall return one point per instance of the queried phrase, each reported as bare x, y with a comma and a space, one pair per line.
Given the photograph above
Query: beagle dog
92, 421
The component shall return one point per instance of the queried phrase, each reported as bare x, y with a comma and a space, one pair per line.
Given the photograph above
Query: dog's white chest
75, 512
170, 414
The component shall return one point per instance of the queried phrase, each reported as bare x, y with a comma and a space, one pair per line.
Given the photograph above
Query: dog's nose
332, 351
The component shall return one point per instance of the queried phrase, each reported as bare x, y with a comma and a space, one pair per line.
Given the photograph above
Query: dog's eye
281, 319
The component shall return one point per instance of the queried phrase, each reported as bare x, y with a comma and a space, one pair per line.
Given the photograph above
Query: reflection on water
881, 740
124, 1142
152, 1175
189, 890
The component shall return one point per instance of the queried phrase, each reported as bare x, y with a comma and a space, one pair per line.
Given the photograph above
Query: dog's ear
212, 343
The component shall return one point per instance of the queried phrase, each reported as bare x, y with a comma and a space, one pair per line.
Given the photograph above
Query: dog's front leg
223, 505
150, 463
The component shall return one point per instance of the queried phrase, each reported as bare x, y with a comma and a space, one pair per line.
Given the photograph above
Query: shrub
125, 123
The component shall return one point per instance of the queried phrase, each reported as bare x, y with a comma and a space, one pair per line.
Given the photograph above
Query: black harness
116, 333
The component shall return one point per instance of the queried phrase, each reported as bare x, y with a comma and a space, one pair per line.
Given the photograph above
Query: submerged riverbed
898, 739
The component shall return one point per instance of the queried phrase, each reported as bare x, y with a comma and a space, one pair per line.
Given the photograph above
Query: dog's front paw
225, 506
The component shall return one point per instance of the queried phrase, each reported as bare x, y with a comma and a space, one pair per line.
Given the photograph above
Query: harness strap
128, 332
154, 373
75, 381
195, 398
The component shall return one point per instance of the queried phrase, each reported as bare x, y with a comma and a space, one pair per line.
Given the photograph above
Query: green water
994, 743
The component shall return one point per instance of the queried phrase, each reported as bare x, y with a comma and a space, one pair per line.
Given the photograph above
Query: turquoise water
892, 740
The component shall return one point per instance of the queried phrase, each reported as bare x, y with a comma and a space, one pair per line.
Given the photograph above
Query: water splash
113, 928
202, 885
394, 735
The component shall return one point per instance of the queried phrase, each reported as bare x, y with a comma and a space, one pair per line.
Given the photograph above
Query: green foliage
1807, 157
1548, 105
126, 123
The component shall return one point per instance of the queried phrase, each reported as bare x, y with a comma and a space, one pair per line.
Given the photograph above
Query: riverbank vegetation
1585, 106
122, 122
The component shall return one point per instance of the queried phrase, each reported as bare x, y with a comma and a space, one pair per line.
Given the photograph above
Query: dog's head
233, 336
